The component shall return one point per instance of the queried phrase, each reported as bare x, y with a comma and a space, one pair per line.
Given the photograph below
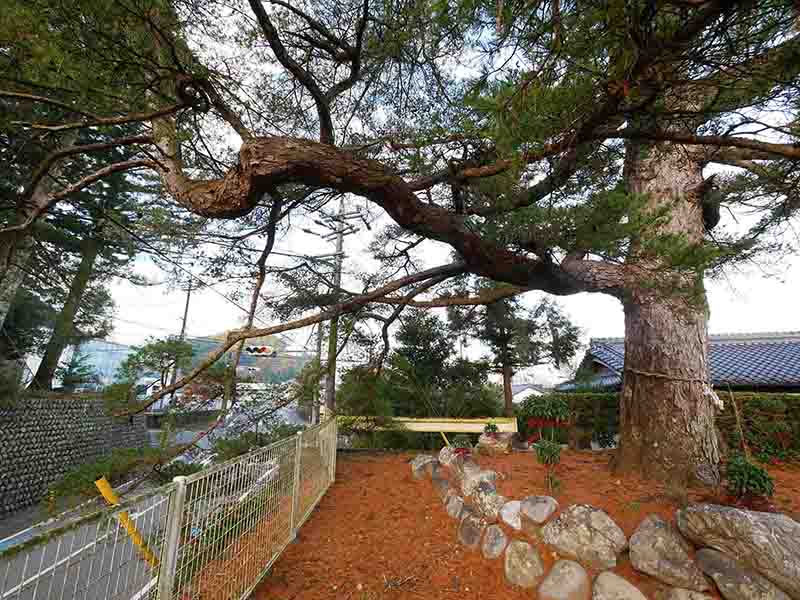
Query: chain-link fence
211, 535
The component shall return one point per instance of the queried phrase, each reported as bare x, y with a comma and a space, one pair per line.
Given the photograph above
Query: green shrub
228, 448
177, 468
548, 453
462, 441
747, 478
117, 466
490, 428
397, 439
771, 424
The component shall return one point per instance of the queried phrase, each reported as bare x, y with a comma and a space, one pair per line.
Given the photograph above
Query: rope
665, 376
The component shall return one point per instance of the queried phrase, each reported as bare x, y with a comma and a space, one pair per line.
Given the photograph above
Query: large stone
472, 479
535, 511
419, 465
509, 513
681, 594
470, 530
586, 534
442, 487
523, 565
433, 469
454, 506
494, 542
735, 581
610, 586
487, 501
447, 456
567, 580
494, 444
467, 467
765, 542
656, 548
517, 443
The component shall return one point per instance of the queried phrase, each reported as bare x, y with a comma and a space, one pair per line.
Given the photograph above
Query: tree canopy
554, 145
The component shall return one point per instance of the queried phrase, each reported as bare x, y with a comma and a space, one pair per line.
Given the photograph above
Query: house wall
524, 394
43, 439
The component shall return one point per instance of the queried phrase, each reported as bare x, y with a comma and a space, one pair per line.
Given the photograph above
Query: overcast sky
743, 301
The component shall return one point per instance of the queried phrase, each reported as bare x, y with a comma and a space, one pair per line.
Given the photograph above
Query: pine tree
519, 337
569, 156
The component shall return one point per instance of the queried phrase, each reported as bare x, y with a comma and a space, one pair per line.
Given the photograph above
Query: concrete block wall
42, 439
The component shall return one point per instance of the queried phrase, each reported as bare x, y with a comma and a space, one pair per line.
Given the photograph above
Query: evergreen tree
569, 156
519, 337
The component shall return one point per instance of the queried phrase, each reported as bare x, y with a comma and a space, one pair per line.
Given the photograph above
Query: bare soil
378, 533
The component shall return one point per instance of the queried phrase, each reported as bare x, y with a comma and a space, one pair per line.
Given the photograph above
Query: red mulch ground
379, 534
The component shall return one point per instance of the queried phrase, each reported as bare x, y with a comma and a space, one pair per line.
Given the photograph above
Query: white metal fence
211, 535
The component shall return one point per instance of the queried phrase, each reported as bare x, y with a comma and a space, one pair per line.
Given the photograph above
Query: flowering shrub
462, 445
544, 417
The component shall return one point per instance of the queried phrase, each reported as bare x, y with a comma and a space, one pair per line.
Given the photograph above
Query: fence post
169, 554
298, 453
334, 444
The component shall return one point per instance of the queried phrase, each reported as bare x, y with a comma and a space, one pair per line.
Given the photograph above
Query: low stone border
584, 536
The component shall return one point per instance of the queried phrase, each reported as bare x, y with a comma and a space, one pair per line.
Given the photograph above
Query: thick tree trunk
64, 326
666, 416
15, 248
507, 395
16, 245
667, 409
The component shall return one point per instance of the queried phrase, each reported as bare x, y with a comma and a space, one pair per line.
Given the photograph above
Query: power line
185, 270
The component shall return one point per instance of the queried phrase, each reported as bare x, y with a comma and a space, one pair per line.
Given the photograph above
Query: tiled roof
521, 387
752, 360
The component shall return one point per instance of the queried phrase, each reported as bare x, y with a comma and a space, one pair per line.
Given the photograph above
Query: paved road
93, 560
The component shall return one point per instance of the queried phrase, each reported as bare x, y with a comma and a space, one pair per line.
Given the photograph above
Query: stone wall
42, 439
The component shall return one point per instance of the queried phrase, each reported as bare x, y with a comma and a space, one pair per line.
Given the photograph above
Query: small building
768, 362
523, 391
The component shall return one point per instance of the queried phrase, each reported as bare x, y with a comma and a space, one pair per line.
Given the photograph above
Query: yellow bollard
125, 520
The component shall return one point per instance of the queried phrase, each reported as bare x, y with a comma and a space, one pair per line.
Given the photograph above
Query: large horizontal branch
487, 296
770, 149
265, 163
349, 306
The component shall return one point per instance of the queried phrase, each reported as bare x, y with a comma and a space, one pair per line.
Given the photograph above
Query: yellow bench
433, 425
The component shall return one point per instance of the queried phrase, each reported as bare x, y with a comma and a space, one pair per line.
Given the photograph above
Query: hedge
771, 422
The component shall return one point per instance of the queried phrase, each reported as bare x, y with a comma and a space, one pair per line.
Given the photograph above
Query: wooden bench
431, 425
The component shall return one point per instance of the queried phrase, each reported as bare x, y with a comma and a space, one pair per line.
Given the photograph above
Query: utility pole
330, 379
182, 336
316, 401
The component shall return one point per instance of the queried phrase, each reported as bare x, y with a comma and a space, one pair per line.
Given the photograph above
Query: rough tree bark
507, 392
16, 242
666, 409
65, 324
15, 249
